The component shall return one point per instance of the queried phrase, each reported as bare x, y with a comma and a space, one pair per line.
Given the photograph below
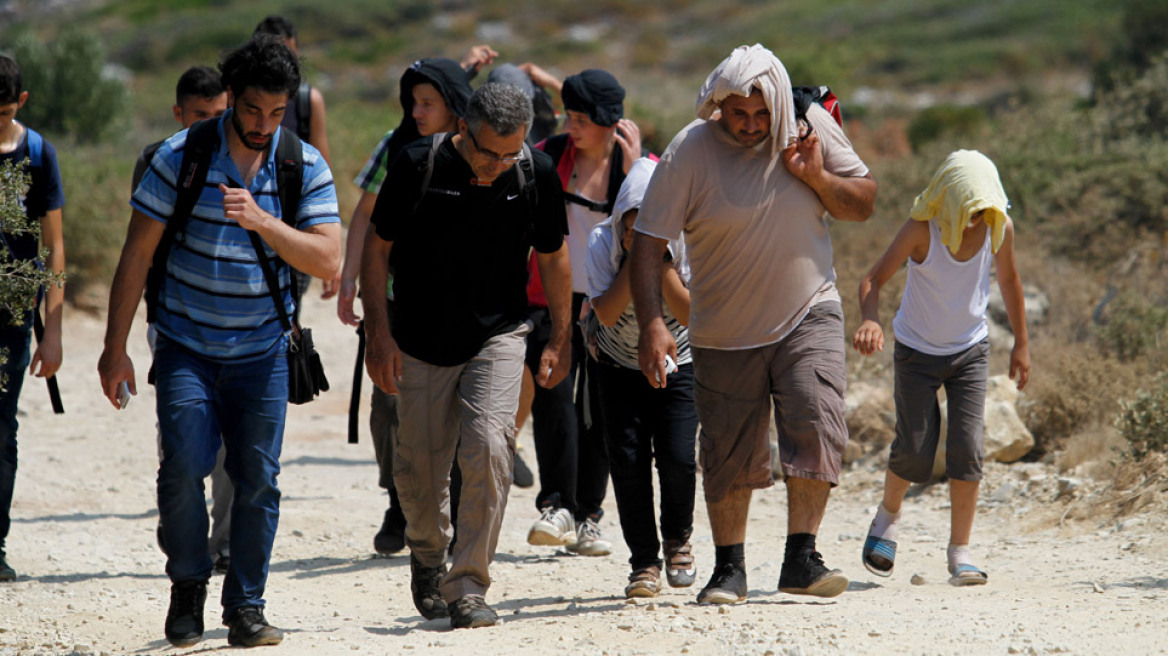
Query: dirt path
92, 578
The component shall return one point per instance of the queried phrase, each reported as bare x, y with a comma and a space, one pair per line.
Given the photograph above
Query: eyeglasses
509, 158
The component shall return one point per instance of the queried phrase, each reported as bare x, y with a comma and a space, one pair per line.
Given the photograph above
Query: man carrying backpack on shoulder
250, 200
751, 191
455, 219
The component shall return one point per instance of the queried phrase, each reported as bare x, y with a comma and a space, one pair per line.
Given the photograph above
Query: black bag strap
304, 112
272, 281
435, 143
290, 182
38, 328
358, 377
201, 145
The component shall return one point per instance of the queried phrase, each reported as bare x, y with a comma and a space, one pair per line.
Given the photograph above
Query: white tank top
943, 310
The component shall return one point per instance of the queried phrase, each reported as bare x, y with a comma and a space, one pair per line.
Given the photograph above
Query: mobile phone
123, 394
670, 367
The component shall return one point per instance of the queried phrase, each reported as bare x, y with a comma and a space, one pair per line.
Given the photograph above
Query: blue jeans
199, 400
16, 340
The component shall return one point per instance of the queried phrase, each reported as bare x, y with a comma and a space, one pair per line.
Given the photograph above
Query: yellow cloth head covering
966, 183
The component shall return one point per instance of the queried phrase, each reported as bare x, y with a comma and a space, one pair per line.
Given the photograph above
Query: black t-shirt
460, 261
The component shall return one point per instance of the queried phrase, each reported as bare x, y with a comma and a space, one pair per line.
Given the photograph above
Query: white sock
885, 524
958, 554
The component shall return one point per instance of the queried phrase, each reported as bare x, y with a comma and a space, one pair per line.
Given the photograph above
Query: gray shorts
918, 413
805, 378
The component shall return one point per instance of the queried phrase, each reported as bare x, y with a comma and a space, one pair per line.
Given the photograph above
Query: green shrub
68, 93
20, 280
1133, 329
943, 121
1143, 420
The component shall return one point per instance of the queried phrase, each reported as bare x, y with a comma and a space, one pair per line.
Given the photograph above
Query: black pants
569, 445
644, 426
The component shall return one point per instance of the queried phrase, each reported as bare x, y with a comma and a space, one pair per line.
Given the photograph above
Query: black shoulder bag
306, 377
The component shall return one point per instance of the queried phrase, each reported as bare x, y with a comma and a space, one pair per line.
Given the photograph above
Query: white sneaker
554, 528
588, 540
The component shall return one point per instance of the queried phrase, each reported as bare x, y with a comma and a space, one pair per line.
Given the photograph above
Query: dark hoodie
451, 81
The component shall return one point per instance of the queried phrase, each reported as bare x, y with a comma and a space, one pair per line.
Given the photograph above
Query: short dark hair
264, 63
199, 82
11, 82
276, 26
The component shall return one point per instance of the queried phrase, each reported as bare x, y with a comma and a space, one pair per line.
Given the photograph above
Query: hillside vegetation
1087, 174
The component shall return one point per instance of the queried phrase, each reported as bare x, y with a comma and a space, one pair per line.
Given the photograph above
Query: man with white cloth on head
750, 186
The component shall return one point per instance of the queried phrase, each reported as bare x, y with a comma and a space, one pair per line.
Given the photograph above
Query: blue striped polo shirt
214, 300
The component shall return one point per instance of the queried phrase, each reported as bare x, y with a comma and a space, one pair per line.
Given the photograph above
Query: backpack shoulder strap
290, 175
201, 145
304, 111
36, 147
428, 172
555, 147
525, 171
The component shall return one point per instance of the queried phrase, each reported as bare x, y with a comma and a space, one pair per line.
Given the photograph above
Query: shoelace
186, 599
589, 531
680, 556
471, 603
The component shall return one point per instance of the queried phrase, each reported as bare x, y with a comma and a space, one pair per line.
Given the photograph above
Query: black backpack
201, 145
804, 96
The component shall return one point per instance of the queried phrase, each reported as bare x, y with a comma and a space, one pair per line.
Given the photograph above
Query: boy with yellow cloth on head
958, 229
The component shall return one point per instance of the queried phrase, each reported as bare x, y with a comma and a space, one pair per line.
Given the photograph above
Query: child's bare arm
1011, 285
911, 241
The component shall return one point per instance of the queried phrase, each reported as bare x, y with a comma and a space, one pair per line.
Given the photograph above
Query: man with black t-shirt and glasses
455, 220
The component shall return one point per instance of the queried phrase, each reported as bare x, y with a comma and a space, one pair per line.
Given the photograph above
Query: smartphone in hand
123, 394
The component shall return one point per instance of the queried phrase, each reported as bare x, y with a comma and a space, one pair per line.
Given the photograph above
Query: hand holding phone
123, 394
670, 367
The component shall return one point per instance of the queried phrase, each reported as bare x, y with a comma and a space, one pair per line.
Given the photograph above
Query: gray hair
504, 107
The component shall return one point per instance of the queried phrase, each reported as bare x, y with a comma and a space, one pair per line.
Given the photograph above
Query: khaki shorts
805, 377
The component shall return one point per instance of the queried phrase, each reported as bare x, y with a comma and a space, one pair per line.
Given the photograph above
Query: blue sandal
879, 555
964, 575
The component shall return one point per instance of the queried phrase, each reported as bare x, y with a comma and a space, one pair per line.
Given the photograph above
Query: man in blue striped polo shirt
219, 364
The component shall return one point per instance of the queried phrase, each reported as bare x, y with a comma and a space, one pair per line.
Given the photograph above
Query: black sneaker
726, 586
248, 628
6, 571
184, 620
809, 576
521, 474
470, 612
222, 563
424, 584
392, 536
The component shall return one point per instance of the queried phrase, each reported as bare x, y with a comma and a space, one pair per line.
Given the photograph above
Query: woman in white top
957, 230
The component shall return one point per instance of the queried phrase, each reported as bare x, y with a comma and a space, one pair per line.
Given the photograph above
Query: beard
246, 137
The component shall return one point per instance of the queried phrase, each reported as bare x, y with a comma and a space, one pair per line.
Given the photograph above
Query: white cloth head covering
630, 197
966, 183
747, 67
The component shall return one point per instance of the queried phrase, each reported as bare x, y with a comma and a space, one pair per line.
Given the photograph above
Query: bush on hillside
1143, 420
943, 121
20, 280
68, 94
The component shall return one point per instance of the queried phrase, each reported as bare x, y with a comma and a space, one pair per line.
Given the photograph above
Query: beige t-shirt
760, 253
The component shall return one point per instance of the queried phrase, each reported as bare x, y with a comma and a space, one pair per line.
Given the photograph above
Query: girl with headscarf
958, 230
642, 423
